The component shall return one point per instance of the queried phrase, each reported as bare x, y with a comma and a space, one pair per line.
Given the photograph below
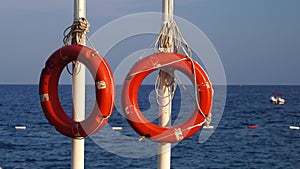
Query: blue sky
258, 41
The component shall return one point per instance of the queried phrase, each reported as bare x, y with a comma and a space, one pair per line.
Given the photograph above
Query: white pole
165, 11
171, 10
164, 149
78, 90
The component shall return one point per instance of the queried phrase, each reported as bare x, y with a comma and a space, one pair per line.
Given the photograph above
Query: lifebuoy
130, 97
104, 86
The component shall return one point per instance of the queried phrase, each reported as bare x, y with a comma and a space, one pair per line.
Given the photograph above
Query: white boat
294, 127
277, 99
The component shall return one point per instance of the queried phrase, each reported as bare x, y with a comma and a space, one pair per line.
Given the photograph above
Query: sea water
232, 145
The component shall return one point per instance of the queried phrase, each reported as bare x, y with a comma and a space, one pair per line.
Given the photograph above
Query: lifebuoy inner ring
104, 86
130, 97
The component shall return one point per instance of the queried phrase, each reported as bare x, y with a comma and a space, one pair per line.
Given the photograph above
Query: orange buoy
252, 127
104, 86
140, 71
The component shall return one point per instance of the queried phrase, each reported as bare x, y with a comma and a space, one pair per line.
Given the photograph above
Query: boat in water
277, 98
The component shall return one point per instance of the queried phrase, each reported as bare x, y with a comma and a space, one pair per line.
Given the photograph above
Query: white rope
173, 133
169, 31
196, 99
91, 44
180, 40
77, 31
75, 64
197, 125
196, 88
171, 90
156, 67
184, 88
102, 120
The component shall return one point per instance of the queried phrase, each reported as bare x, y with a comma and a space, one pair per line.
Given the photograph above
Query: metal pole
164, 149
78, 90
171, 10
165, 11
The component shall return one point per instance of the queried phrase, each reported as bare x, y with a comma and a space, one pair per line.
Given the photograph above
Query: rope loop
77, 31
171, 86
76, 35
170, 37
76, 68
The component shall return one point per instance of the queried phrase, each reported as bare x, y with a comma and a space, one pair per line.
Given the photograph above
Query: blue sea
231, 145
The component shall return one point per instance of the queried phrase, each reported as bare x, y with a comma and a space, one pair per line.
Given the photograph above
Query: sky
258, 41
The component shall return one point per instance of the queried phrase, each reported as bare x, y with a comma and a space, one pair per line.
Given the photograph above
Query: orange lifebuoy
136, 76
104, 86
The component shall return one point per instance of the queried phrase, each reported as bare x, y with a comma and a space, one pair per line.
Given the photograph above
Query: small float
208, 127
117, 128
277, 98
294, 127
252, 127
20, 127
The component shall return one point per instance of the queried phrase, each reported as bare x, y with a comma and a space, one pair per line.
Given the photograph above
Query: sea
231, 144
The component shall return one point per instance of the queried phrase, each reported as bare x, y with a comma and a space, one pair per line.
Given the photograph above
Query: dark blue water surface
232, 145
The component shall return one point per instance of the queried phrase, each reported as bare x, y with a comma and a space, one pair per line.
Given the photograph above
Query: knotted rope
77, 32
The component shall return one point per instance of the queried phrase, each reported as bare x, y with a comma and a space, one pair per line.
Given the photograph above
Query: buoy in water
20, 128
294, 127
252, 127
117, 128
208, 127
